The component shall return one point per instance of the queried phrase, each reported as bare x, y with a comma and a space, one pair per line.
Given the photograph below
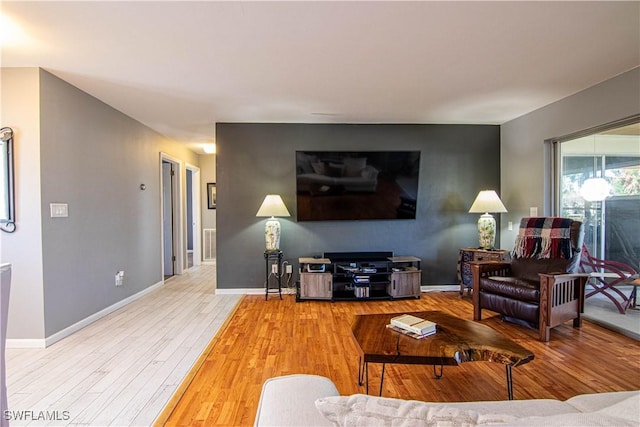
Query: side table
272, 262
465, 278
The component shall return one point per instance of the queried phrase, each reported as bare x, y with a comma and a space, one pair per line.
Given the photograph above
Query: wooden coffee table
456, 341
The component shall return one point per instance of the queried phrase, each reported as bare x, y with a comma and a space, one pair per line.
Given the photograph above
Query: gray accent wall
525, 167
253, 160
93, 158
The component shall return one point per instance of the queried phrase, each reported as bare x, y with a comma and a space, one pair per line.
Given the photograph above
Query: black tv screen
356, 185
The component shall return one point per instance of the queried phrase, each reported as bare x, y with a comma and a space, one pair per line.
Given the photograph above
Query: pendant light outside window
595, 189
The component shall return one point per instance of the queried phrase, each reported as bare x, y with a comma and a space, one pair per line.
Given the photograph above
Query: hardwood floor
122, 369
269, 338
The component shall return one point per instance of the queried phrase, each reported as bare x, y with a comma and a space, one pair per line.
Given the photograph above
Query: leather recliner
537, 292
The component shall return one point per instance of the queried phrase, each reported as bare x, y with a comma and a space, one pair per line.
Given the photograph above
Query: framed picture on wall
211, 195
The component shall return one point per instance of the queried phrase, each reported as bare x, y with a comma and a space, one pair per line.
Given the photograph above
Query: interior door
167, 224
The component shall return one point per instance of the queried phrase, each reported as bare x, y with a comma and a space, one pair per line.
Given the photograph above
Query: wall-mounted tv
357, 185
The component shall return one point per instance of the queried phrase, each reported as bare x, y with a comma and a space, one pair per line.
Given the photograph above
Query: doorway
193, 256
169, 257
172, 235
598, 183
612, 221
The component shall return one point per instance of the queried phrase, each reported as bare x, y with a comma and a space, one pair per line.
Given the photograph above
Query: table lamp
487, 201
272, 206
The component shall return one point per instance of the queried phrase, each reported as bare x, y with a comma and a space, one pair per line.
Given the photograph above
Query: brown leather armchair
539, 287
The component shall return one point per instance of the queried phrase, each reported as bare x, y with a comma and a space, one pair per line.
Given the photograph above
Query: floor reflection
599, 309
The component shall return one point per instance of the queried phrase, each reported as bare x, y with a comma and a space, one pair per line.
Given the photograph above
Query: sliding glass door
608, 160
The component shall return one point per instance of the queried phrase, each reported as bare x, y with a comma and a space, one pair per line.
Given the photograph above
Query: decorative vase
272, 234
487, 231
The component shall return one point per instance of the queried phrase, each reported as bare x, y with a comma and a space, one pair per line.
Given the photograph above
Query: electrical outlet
289, 269
274, 268
120, 278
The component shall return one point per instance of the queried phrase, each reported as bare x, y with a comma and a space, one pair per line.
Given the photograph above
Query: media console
358, 275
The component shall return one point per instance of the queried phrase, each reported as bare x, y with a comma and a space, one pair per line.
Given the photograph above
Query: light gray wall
257, 159
93, 157
524, 169
23, 249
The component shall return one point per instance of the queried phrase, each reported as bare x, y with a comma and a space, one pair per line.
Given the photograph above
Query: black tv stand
349, 276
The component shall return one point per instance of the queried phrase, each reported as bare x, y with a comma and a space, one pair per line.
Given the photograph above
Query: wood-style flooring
122, 369
279, 337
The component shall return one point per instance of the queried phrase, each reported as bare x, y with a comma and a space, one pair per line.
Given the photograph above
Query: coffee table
456, 341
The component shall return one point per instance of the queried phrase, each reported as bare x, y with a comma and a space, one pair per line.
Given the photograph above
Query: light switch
533, 211
59, 210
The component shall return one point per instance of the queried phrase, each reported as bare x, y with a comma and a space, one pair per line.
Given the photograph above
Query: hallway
122, 369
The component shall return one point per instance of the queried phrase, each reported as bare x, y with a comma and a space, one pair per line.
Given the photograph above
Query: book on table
414, 324
409, 333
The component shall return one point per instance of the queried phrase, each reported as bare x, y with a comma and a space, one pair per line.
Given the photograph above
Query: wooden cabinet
405, 277
359, 275
466, 255
316, 286
315, 282
404, 284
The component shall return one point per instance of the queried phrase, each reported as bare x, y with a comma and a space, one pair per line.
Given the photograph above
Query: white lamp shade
273, 206
487, 201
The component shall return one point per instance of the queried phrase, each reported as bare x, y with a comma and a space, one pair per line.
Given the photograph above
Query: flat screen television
356, 185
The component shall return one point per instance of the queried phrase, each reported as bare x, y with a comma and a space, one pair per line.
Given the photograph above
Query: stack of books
359, 280
413, 326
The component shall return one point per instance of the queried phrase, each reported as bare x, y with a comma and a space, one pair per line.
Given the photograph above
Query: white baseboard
46, 342
260, 291
25, 343
251, 291
440, 288
239, 291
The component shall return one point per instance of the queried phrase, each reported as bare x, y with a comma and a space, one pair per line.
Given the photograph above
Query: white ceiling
180, 66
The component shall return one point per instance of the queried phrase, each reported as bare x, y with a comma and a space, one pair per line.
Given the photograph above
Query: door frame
178, 214
195, 207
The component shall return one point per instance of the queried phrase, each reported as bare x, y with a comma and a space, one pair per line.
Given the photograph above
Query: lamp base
487, 231
272, 234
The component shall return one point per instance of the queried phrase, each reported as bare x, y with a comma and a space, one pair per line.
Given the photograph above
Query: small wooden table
456, 341
467, 255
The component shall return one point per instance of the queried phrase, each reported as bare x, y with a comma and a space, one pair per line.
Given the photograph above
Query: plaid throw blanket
548, 237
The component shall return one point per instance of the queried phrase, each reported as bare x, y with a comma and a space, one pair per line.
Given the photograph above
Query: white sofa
311, 400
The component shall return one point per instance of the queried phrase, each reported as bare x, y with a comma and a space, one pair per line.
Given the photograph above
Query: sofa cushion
353, 166
581, 419
298, 393
529, 268
303, 162
320, 168
523, 312
512, 287
598, 401
364, 410
628, 409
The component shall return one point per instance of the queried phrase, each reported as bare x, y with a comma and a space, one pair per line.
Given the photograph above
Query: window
612, 224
